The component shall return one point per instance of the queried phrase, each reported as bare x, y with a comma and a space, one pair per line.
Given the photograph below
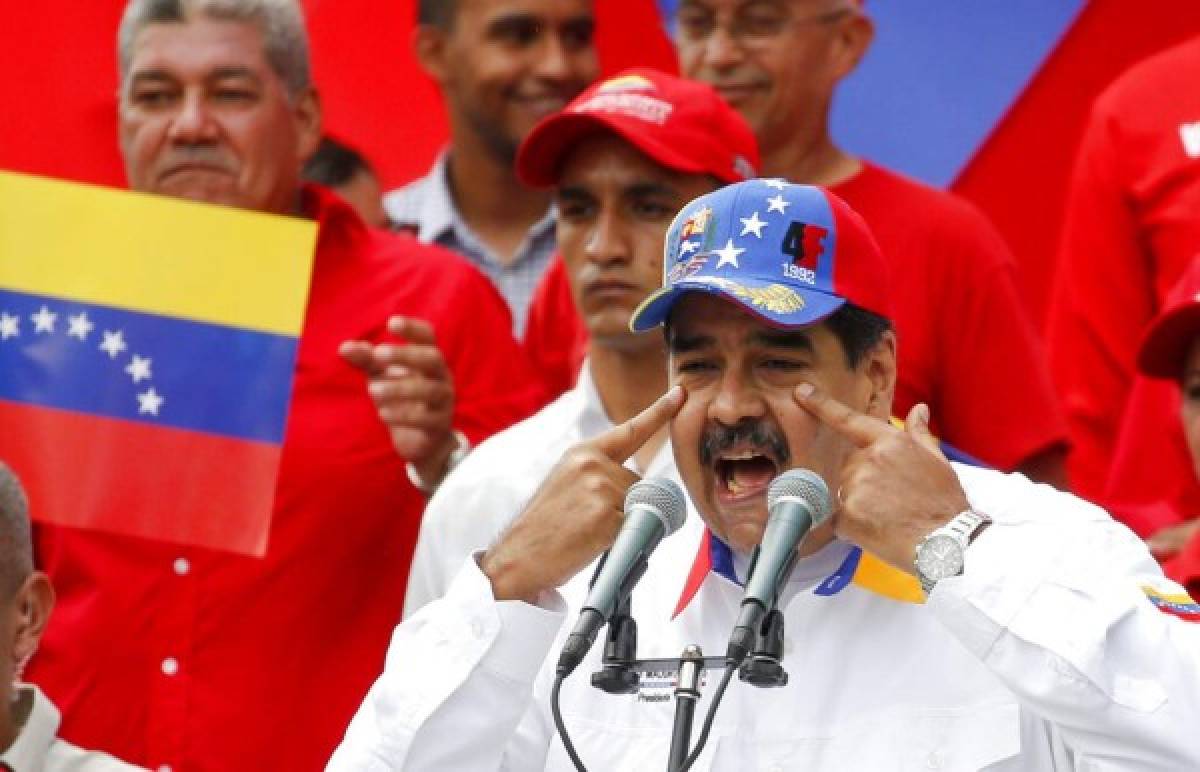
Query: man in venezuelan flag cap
1041, 635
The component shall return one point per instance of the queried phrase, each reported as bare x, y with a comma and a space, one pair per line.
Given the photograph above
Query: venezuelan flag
147, 347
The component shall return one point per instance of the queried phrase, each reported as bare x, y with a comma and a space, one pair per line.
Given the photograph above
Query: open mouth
744, 474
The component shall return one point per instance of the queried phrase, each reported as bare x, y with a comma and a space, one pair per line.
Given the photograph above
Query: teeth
745, 456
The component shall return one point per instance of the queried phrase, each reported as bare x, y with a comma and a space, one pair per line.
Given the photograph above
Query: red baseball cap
683, 125
1169, 338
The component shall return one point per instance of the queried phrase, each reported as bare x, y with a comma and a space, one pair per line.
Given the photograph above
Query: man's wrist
427, 476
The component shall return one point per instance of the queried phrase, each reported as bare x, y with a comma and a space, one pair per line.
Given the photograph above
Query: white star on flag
688, 247
139, 368
10, 326
149, 401
777, 184
778, 204
753, 225
80, 326
43, 320
114, 344
729, 254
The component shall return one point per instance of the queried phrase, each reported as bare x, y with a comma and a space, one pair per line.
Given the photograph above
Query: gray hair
16, 543
285, 39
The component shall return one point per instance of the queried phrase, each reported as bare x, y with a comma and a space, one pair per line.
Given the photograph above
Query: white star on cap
777, 184
43, 320
114, 344
80, 326
753, 225
778, 204
149, 401
139, 368
688, 247
729, 254
10, 326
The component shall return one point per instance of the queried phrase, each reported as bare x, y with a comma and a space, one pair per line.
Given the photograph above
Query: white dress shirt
1045, 654
38, 747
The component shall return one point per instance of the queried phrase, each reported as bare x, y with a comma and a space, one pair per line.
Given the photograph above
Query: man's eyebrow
683, 344
796, 340
650, 189
574, 192
152, 75
234, 71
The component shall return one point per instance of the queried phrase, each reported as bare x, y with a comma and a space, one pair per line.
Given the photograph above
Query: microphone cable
708, 718
562, 727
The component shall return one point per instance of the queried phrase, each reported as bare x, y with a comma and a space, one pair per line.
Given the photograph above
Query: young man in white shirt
619, 173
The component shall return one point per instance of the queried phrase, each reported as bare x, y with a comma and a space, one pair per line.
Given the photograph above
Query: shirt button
934, 761
477, 628
182, 566
170, 666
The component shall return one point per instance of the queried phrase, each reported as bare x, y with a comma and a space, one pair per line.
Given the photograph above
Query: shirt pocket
951, 740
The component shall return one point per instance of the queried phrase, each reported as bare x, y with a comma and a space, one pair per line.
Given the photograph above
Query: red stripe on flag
700, 570
123, 477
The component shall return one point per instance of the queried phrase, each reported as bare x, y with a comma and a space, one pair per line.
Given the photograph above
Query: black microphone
797, 500
654, 509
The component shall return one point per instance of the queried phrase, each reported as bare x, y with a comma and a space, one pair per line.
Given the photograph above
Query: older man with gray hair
28, 719
179, 657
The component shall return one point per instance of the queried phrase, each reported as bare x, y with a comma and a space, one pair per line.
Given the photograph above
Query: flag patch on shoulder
1175, 602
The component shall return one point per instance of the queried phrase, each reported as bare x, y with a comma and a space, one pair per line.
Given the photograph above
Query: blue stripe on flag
159, 370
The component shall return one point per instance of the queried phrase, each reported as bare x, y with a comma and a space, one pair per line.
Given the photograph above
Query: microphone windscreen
801, 485
661, 495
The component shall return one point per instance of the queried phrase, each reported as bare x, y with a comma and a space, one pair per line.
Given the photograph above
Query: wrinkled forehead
199, 48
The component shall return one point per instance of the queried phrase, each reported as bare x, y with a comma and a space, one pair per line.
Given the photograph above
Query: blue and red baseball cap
681, 124
789, 254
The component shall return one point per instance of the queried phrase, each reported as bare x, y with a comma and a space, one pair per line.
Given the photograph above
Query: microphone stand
687, 694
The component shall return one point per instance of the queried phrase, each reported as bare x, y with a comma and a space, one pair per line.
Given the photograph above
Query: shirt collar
857, 567
38, 720
437, 215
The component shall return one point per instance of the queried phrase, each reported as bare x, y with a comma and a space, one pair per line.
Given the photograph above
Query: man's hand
576, 513
1168, 541
896, 486
413, 391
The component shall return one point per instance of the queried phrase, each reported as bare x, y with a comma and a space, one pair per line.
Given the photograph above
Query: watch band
454, 459
962, 529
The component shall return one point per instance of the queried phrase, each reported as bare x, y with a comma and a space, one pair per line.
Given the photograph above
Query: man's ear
879, 366
430, 46
33, 603
852, 38
309, 120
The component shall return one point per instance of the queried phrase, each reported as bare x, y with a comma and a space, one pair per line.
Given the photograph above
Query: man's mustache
200, 154
755, 433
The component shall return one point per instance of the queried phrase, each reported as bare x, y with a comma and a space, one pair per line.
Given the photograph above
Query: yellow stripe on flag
155, 254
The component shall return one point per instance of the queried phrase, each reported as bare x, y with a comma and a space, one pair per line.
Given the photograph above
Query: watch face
941, 556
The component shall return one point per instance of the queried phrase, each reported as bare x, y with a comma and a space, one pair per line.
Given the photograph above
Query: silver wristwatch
462, 448
941, 554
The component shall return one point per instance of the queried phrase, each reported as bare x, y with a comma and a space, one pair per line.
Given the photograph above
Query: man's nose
555, 61
722, 51
193, 123
736, 400
607, 241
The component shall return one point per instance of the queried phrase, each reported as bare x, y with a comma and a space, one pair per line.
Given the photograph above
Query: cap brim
540, 157
756, 296
1167, 343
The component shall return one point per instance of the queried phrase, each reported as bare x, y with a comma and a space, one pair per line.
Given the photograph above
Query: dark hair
858, 330
334, 164
437, 13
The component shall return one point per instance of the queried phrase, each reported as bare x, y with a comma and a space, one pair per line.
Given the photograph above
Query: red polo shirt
1132, 225
967, 346
199, 660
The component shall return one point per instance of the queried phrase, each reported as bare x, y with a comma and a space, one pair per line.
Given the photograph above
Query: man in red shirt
967, 345
1132, 225
189, 659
